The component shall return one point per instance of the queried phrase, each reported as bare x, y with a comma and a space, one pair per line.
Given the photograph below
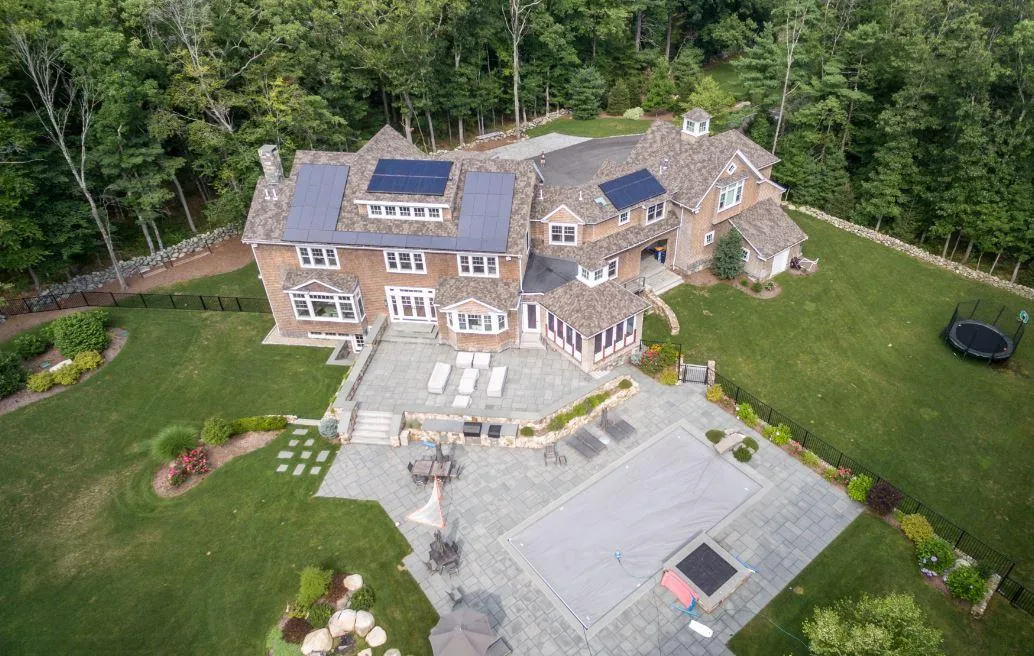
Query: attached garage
771, 239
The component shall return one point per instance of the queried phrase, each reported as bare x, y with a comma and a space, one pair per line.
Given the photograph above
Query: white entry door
780, 262
531, 317
411, 304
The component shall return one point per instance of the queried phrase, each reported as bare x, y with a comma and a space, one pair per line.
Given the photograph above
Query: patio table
432, 468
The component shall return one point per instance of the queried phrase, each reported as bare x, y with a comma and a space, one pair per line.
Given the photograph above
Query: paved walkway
537, 381
501, 487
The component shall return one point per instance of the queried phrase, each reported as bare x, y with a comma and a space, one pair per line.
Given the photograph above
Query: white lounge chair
461, 401
439, 378
464, 360
482, 360
496, 381
468, 381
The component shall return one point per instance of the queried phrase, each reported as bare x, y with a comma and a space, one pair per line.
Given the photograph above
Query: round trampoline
980, 340
978, 332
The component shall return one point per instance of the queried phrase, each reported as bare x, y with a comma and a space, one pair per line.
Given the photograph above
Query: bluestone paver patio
778, 535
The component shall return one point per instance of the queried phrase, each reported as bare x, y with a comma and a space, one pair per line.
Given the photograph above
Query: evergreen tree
584, 93
728, 256
709, 96
660, 94
619, 99
686, 69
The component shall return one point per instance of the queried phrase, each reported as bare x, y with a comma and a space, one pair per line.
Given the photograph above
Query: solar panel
630, 189
317, 197
410, 176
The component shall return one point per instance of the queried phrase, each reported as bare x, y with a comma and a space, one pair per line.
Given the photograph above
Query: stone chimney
695, 123
272, 168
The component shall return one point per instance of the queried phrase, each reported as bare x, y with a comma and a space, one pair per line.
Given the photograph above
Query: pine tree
660, 95
584, 93
728, 258
619, 99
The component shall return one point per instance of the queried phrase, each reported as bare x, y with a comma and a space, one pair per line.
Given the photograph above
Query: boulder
318, 641
353, 582
363, 622
393, 652
342, 622
376, 637
365, 652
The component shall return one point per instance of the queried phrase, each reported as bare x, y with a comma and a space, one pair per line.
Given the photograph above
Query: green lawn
243, 282
727, 77
598, 127
94, 562
854, 353
872, 556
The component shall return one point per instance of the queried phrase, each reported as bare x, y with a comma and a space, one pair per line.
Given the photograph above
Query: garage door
780, 262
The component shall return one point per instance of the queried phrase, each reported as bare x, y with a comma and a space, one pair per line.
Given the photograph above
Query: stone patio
537, 382
501, 487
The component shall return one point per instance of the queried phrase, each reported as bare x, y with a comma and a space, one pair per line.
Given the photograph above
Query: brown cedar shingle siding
768, 229
590, 310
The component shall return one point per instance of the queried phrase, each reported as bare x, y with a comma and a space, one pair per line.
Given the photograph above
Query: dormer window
409, 211
563, 233
730, 196
593, 277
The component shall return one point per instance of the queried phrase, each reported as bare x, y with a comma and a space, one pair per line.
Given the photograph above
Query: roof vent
664, 166
580, 195
270, 193
540, 190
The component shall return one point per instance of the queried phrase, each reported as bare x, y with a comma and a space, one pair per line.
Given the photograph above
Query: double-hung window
311, 306
624, 217
563, 233
655, 212
730, 195
612, 269
709, 238
405, 261
313, 257
745, 254
466, 322
485, 266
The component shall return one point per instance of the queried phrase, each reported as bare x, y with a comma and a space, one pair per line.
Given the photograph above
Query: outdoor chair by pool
468, 381
439, 378
482, 360
496, 381
464, 360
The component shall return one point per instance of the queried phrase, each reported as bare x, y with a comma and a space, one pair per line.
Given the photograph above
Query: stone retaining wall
915, 251
533, 123
91, 281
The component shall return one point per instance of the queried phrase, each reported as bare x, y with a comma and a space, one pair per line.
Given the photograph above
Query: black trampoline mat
979, 337
706, 569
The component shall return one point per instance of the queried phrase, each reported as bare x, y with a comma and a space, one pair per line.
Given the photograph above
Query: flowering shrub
829, 473
778, 435
965, 582
745, 413
935, 556
715, 393
810, 459
795, 447
177, 474
859, 486
670, 376
843, 475
658, 357
195, 461
916, 528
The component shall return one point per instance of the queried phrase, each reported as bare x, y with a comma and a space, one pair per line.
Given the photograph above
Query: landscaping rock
317, 641
342, 622
393, 652
376, 637
365, 652
364, 622
354, 582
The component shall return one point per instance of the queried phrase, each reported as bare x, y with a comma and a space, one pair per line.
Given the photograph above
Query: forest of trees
130, 122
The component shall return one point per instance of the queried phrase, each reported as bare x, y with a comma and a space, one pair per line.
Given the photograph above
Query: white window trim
471, 274
709, 238
412, 256
572, 348
657, 217
356, 301
593, 277
329, 253
624, 217
565, 226
459, 322
628, 338
745, 254
737, 195
731, 168
394, 211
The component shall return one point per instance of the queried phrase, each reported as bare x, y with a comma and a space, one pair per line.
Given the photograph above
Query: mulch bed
705, 278
217, 456
53, 356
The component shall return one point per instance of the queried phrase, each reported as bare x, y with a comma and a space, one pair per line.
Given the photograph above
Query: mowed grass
597, 127
727, 77
872, 557
854, 353
243, 282
94, 562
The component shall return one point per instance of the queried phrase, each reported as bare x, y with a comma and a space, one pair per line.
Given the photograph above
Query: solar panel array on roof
483, 225
630, 189
317, 197
410, 176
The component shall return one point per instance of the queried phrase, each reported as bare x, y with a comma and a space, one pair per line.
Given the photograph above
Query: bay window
467, 322
486, 266
315, 257
311, 306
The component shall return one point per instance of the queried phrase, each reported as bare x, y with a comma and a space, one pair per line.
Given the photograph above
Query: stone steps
401, 333
372, 427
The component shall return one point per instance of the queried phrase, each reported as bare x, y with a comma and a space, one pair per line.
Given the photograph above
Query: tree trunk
878, 222
667, 38
1016, 270
459, 124
547, 98
979, 259
384, 102
922, 238
430, 129
969, 251
638, 30
516, 84
947, 242
201, 188
147, 235
183, 202
448, 123
995, 263
407, 117
157, 235
956, 246
35, 278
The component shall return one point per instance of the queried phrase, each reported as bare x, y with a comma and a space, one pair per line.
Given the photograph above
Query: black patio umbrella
462, 633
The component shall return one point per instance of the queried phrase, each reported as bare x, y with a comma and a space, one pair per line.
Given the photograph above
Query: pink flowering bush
191, 463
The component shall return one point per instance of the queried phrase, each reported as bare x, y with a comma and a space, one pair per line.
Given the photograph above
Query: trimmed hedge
582, 408
260, 423
41, 382
916, 528
12, 374
83, 331
859, 486
29, 345
216, 431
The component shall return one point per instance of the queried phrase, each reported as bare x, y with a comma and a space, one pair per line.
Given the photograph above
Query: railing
1018, 595
635, 285
204, 302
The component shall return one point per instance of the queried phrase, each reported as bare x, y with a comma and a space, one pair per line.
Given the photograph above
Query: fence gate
694, 373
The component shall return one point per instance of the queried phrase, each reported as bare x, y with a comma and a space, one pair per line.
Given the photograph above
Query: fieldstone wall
533, 123
91, 281
915, 251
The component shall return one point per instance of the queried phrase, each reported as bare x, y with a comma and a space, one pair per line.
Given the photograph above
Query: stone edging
91, 281
914, 251
658, 303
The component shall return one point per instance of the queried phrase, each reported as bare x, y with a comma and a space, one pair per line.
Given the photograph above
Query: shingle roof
344, 282
594, 254
592, 309
498, 293
696, 114
767, 228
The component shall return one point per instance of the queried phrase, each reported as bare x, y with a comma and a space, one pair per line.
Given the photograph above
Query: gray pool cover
646, 507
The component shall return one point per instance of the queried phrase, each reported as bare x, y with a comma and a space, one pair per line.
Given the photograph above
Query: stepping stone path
300, 431
314, 470
281, 469
310, 441
293, 443
306, 455
298, 470
285, 455
322, 456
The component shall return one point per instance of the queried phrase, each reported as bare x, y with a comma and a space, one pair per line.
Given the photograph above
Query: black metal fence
1018, 595
204, 302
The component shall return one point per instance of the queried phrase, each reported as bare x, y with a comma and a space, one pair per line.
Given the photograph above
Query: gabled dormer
695, 123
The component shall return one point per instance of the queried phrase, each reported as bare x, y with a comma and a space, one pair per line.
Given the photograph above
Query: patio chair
468, 381
456, 595
482, 360
464, 360
549, 454
439, 378
496, 381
